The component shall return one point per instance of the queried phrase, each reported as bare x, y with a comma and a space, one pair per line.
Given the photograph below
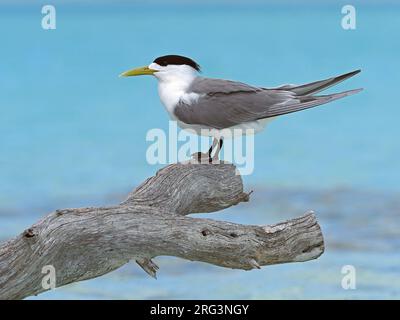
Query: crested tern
215, 105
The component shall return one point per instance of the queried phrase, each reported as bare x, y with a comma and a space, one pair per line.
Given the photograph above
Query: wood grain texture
85, 243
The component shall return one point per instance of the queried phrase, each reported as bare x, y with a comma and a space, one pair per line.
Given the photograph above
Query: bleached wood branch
88, 242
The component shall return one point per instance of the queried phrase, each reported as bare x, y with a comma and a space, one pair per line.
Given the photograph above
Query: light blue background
73, 134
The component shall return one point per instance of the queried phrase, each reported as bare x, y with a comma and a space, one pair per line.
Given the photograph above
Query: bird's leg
218, 149
205, 157
210, 151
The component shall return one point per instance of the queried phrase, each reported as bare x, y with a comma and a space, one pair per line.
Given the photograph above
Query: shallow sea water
73, 134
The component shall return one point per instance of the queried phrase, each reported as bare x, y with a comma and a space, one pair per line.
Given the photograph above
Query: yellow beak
138, 72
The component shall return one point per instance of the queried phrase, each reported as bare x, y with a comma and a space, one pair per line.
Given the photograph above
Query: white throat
173, 86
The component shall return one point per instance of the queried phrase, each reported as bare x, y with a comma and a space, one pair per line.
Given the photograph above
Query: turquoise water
73, 134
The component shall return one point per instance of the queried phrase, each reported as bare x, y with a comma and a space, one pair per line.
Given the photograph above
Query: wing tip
354, 91
347, 75
343, 93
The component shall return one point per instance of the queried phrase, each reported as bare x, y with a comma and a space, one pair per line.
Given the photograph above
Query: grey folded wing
223, 103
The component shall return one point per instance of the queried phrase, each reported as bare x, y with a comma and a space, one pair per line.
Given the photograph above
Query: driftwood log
86, 243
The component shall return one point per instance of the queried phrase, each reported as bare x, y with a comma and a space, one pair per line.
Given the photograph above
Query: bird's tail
305, 95
307, 102
315, 87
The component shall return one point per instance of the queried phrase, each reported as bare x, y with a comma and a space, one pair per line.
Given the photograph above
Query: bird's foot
202, 157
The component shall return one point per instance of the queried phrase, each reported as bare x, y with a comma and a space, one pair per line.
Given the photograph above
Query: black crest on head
179, 60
